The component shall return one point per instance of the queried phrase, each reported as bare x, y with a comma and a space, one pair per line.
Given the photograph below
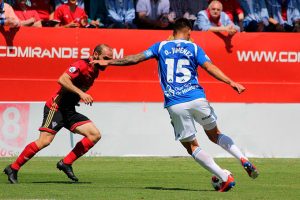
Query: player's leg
214, 134
47, 133
204, 115
206, 161
183, 122
82, 125
227, 143
91, 137
29, 151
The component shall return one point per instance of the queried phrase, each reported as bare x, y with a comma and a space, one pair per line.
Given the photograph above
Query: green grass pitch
141, 178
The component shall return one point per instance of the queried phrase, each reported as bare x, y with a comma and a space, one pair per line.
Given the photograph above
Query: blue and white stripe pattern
197, 150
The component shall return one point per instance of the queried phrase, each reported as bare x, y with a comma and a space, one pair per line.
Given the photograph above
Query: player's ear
96, 54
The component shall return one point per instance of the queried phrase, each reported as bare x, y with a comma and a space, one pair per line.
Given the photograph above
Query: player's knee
42, 143
97, 136
94, 136
212, 132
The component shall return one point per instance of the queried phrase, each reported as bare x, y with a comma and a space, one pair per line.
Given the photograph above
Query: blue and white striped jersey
177, 64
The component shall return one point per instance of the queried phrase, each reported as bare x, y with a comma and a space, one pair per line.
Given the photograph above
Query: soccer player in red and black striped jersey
59, 112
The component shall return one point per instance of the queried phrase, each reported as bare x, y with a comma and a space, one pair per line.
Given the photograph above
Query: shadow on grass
176, 189
61, 182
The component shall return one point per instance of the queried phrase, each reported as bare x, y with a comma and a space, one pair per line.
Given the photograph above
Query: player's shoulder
82, 63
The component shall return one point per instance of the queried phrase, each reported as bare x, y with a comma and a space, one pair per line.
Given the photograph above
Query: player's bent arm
65, 81
129, 60
218, 74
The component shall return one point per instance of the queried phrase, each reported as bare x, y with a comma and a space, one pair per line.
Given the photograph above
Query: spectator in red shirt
44, 8
70, 15
27, 16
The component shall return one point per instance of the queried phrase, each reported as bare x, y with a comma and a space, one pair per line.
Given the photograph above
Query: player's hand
86, 98
100, 62
237, 87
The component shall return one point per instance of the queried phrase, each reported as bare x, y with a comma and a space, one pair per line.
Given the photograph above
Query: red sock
81, 148
29, 151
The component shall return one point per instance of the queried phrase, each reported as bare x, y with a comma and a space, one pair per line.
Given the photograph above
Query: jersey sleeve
201, 56
152, 52
58, 14
74, 69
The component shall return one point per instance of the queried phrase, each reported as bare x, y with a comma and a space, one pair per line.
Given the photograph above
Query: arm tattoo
129, 60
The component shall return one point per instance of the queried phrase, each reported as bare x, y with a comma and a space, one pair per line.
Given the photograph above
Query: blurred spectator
27, 16
213, 19
234, 11
45, 8
57, 3
194, 7
153, 14
121, 13
10, 2
7, 16
97, 12
178, 9
2, 16
256, 15
284, 15
70, 15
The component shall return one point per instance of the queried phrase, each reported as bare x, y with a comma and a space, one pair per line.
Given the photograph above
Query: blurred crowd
230, 16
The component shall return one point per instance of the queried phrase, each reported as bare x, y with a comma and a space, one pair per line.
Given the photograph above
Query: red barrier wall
32, 59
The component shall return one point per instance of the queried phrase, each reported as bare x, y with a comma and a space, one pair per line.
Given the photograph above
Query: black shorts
54, 120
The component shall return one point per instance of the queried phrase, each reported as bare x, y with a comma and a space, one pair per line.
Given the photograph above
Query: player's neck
180, 36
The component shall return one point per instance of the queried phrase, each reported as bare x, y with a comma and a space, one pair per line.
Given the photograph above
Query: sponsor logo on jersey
72, 69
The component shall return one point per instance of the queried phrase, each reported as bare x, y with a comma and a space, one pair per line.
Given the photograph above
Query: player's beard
101, 68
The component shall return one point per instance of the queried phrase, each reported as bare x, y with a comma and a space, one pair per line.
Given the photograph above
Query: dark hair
180, 24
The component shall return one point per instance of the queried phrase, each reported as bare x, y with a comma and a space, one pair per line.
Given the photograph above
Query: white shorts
183, 116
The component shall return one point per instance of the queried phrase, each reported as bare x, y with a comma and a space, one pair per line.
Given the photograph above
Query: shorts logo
72, 69
54, 124
207, 117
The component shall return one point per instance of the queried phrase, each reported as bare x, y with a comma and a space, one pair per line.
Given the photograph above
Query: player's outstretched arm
127, 60
218, 74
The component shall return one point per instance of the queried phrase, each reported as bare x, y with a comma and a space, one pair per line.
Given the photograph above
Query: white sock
206, 161
227, 143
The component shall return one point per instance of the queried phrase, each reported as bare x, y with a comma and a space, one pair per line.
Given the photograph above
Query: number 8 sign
13, 124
